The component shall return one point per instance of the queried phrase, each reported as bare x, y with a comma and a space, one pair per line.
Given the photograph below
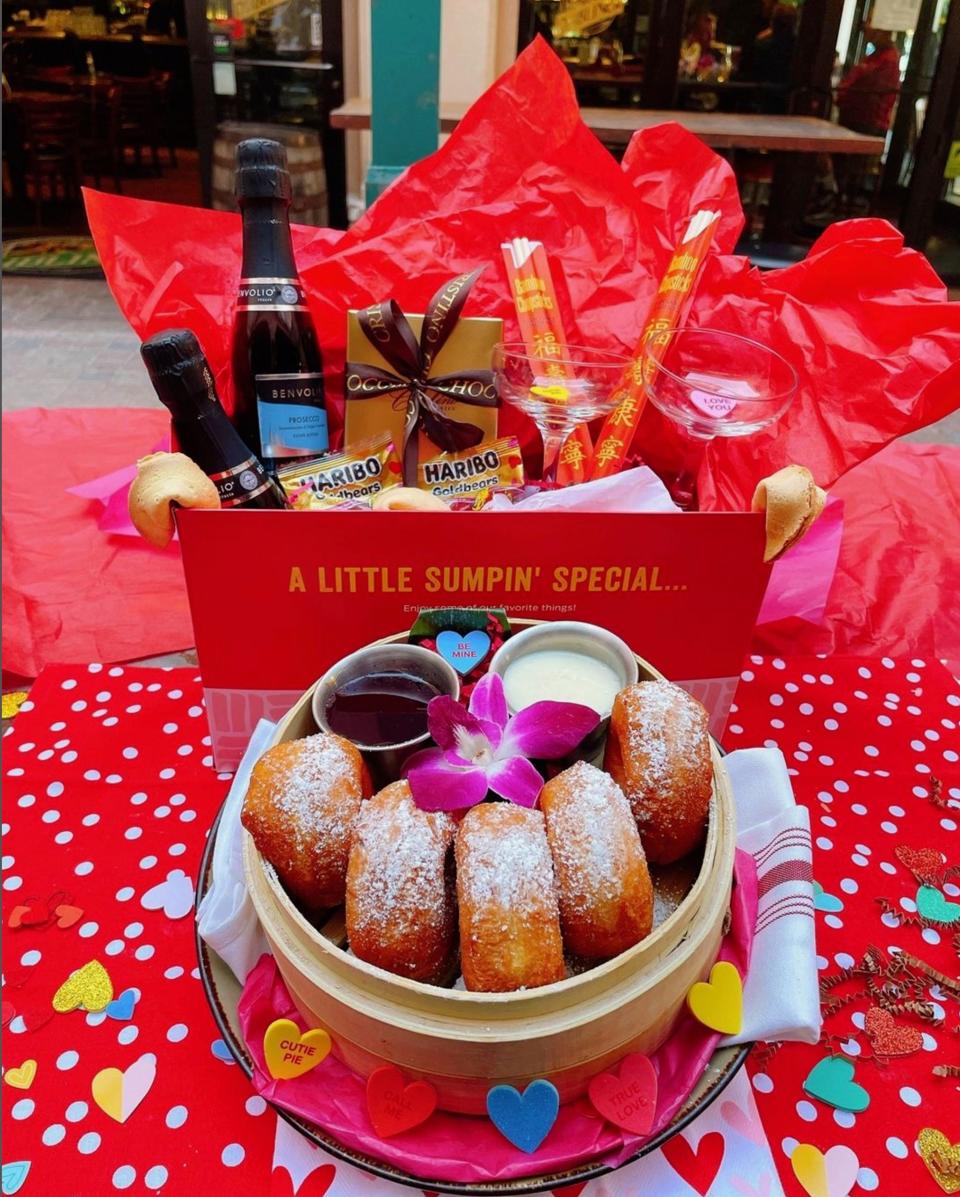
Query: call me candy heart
628, 1097
290, 1052
395, 1107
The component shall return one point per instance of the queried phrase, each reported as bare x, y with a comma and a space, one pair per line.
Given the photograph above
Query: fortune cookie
162, 480
792, 501
408, 498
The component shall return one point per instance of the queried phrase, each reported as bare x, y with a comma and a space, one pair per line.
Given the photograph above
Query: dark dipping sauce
381, 709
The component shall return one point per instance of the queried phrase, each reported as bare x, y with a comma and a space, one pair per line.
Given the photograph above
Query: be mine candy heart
89, 987
395, 1107
524, 1119
889, 1037
932, 905
830, 1175
290, 1052
718, 1003
832, 1082
463, 652
941, 1157
628, 1097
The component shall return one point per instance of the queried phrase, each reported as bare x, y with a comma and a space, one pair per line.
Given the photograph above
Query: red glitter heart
8, 1011
889, 1037
925, 863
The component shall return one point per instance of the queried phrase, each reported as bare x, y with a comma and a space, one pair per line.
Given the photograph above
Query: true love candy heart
627, 1097
718, 1003
832, 1082
290, 1052
89, 987
395, 1107
524, 1119
463, 652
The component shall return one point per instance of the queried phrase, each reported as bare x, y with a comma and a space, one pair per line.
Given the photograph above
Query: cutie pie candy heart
718, 1003
628, 1097
290, 1052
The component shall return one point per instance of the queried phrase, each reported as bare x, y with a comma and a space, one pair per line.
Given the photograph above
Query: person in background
868, 92
698, 56
769, 59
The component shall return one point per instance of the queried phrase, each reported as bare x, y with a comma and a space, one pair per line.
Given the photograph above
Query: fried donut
509, 919
401, 909
604, 888
658, 752
300, 807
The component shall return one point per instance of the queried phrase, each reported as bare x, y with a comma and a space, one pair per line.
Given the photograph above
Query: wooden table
721, 130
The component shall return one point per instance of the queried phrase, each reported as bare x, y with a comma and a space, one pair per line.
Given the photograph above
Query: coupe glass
711, 384
579, 387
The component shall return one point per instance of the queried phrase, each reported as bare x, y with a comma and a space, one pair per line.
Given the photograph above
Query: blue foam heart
524, 1119
12, 1177
463, 652
824, 901
222, 1052
121, 1008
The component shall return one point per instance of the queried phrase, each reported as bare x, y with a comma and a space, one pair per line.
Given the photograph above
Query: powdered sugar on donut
508, 863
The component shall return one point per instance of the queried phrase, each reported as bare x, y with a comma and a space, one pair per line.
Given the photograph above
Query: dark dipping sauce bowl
377, 698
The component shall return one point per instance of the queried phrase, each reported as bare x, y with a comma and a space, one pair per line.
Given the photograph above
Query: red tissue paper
864, 321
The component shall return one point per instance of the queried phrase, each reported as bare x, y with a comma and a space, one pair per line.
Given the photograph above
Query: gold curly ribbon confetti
12, 702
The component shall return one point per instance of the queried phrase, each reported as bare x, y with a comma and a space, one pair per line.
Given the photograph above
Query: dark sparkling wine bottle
279, 406
184, 384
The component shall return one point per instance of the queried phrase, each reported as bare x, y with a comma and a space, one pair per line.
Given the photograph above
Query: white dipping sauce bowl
585, 639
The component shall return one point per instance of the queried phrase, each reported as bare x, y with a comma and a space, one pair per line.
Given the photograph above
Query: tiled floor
65, 344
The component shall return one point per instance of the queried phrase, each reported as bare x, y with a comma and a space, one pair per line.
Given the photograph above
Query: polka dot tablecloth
108, 793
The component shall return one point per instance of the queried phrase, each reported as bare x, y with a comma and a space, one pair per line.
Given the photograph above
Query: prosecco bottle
279, 407
184, 384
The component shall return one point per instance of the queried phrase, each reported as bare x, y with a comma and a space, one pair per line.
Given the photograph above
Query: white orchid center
473, 747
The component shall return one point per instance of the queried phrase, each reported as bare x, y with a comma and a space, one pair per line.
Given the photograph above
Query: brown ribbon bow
386, 328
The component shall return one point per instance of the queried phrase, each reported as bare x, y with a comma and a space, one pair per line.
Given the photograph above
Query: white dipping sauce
560, 676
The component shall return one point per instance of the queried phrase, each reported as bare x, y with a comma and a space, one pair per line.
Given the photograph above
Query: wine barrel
304, 160
463, 1042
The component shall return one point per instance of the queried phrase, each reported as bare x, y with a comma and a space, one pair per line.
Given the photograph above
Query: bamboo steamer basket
464, 1043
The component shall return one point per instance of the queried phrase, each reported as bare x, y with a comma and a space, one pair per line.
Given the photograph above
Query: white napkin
781, 998
226, 919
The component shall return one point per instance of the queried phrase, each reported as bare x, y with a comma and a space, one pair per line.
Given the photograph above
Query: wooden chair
51, 126
100, 131
139, 120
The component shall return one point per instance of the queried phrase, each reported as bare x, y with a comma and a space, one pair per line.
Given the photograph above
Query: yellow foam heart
290, 1052
107, 1090
941, 1157
22, 1077
810, 1169
718, 1003
89, 987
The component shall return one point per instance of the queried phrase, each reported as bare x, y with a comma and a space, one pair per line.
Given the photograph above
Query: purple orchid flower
482, 749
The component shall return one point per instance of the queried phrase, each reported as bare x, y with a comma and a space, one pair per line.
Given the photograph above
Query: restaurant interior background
151, 98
